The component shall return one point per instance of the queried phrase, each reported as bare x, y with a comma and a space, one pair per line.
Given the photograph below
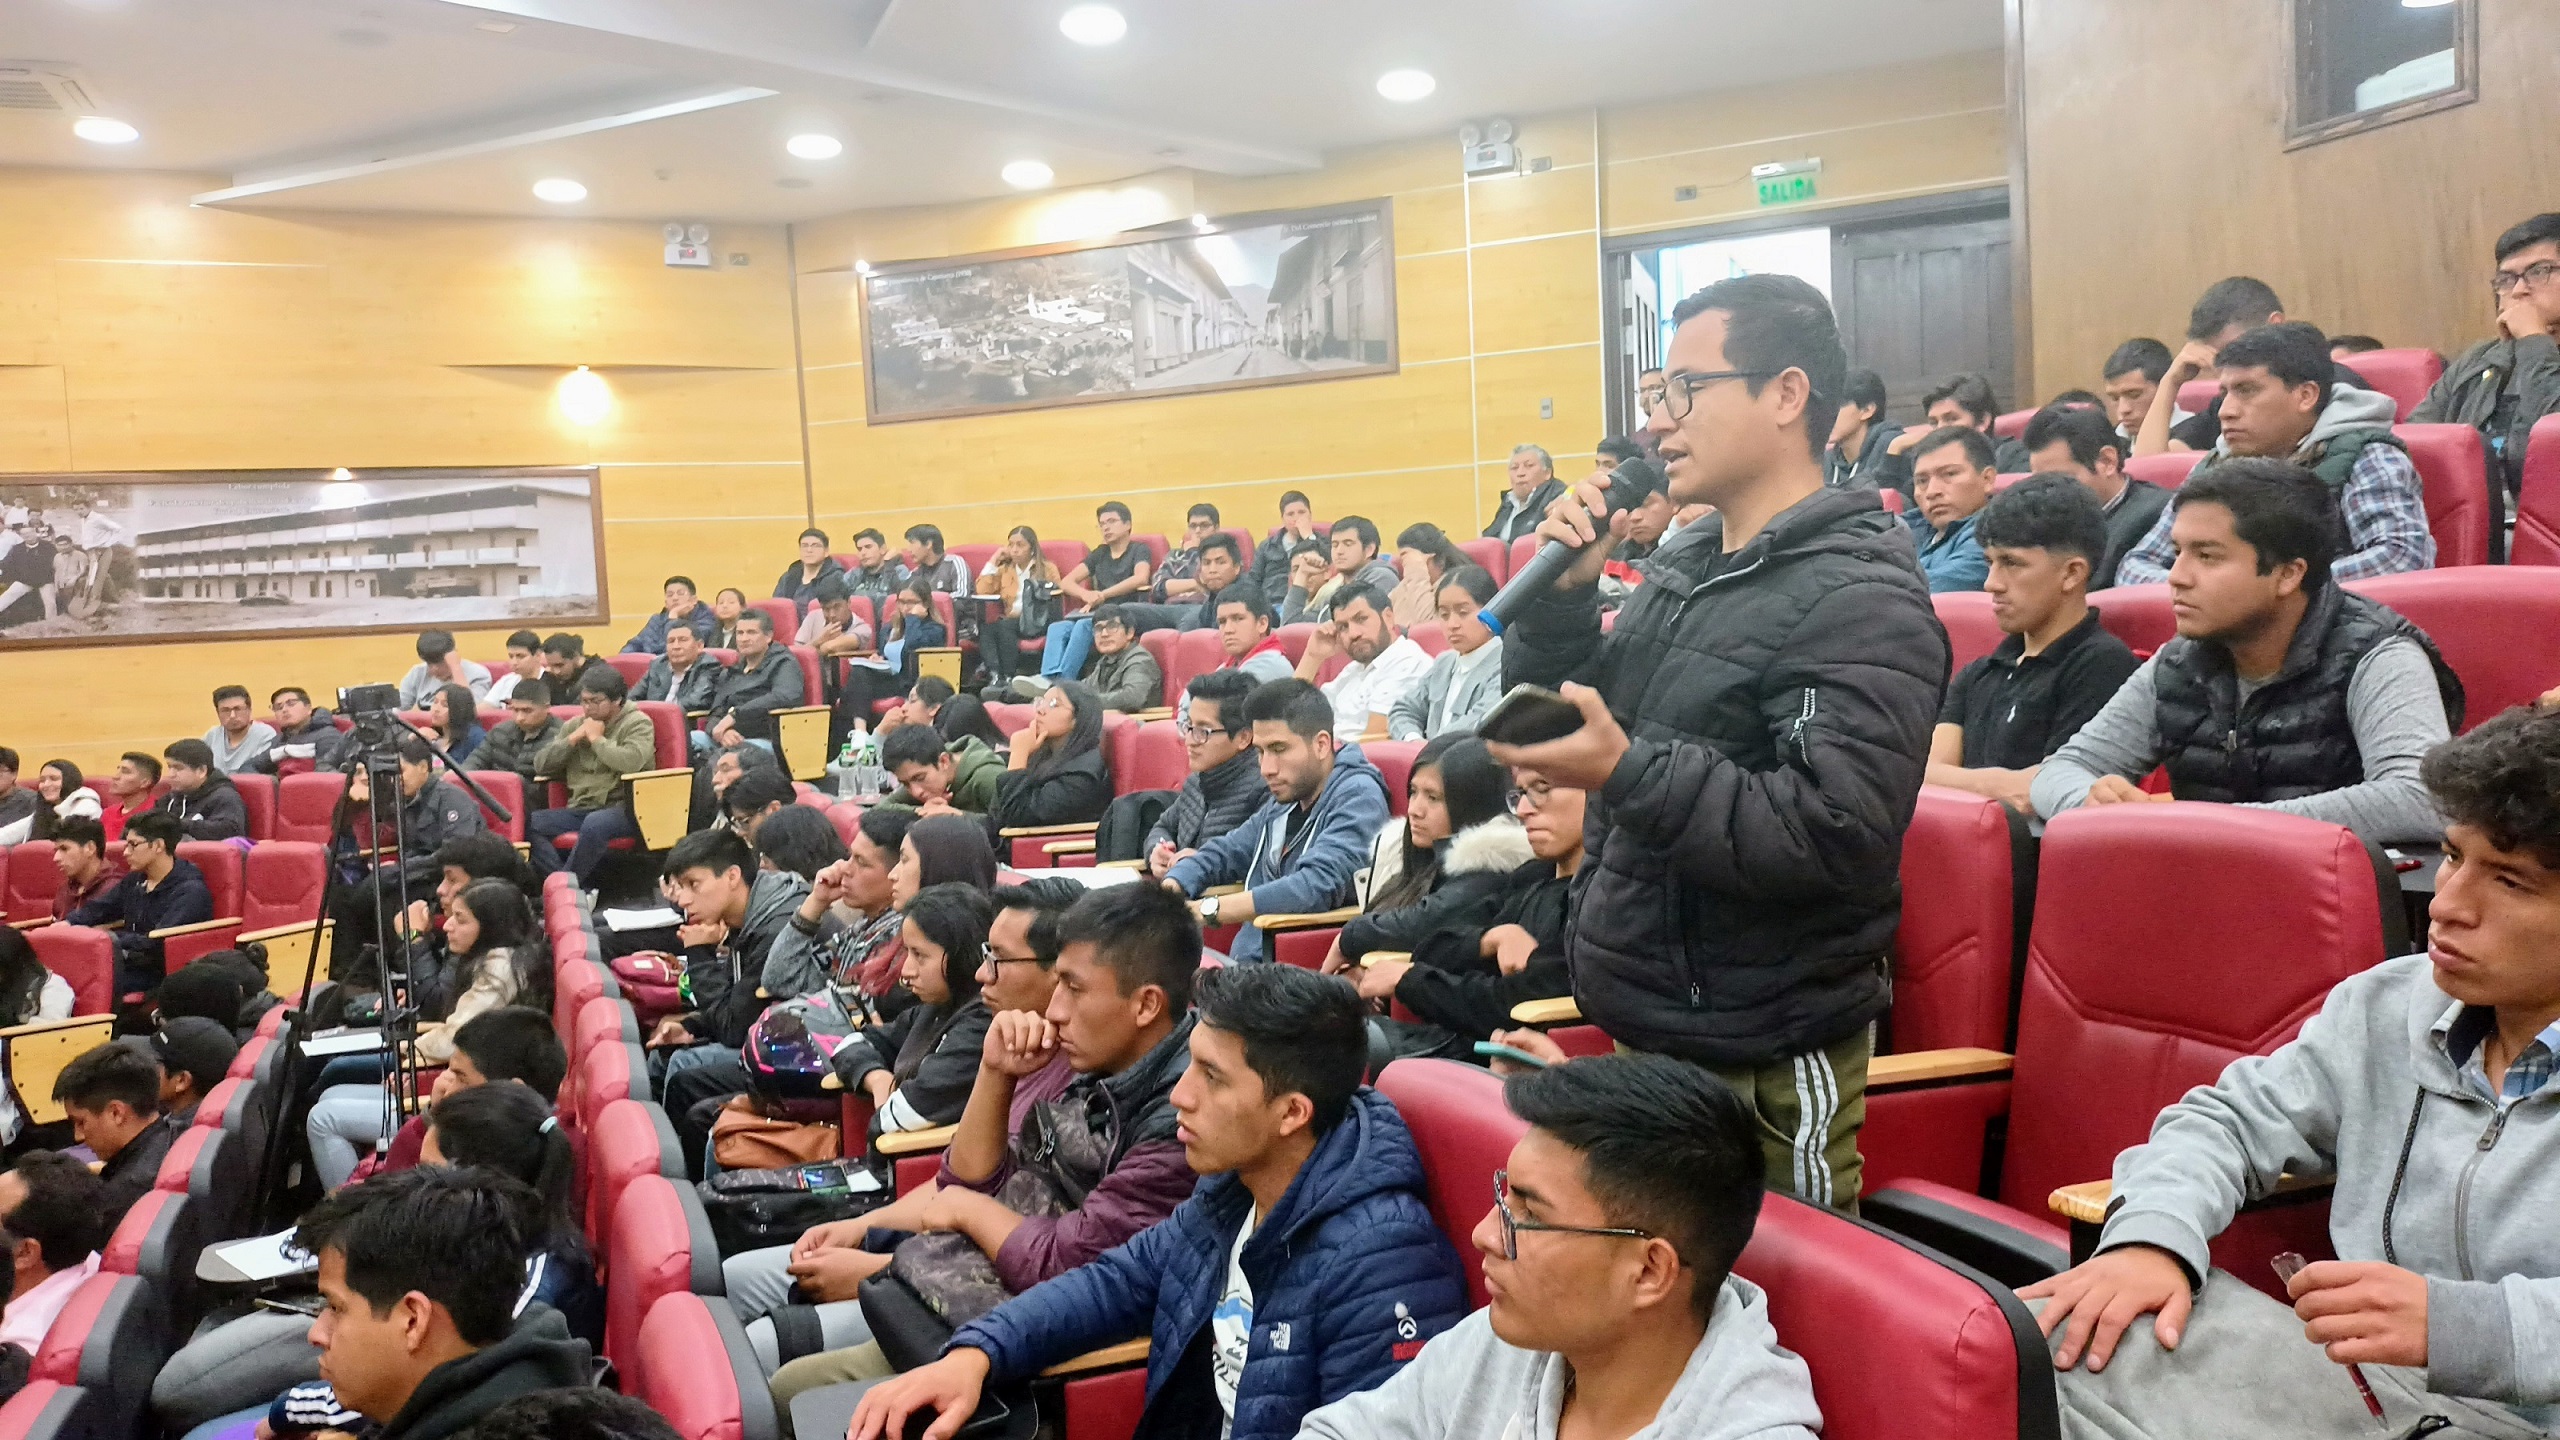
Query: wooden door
1924, 301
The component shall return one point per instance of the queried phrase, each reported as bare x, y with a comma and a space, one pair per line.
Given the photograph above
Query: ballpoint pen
2289, 1264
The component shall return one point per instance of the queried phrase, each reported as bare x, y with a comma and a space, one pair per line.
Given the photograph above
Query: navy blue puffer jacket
1349, 1277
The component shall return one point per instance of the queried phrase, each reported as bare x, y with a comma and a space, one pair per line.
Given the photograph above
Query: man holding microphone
1753, 734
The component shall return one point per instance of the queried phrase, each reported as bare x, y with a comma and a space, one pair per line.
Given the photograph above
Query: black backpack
1122, 835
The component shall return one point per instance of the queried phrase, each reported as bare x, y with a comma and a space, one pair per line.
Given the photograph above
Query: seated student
428, 814
1220, 566
918, 1068
1854, 458
925, 703
1272, 559
1301, 851
766, 678
2342, 346
940, 776
1312, 1214
1464, 976
2228, 309
194, 1054
801, 578
2344, 697
2007, 711
1444, 860
421, 1273
1069, 1146
590, 758
1244, 634
1951, 479
529, 729
438, 665
1056, 773
2278, 403
1117, 569
1465, 680
1612, 451
1178, 578
1224, 787
846, 931
1534, 487
1015, 575
158, 890
830, 627
727, 604
757, 796
907, 631
2502, 385
236, 740
1425, 559
1353, 546
2080, 444
61, 794
566, 664
1648, 523
2131, 379
1609, 1253
1123, 676
80, 853
129, 788
524, 662
1385, 662
733, 911
28, 993
924, 558
875, 570
1965, 401
204, 802
683, 673
2422, 1089
682, 608
510, 1130
453, 720
589, 1414
51, 1213
112, 1094
307, 735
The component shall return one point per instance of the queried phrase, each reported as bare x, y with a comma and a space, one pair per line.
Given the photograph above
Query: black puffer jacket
1741, 889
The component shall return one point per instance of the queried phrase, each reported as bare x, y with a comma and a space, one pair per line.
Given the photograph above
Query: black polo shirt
2016, 709
1101, 571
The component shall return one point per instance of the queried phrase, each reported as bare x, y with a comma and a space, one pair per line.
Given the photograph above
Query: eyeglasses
1193, 734
1648, 397
2531, 276
1512, 1224
988, 955
1680, 388
1534, 797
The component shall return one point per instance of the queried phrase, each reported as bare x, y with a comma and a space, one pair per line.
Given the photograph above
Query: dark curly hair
2504, 779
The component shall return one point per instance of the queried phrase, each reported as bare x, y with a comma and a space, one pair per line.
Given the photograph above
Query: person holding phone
1752, 734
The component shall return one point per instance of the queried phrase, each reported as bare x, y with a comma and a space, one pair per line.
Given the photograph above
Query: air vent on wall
55, 89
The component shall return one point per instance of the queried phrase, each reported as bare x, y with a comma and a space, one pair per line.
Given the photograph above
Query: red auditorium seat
43, 1410
2011, 424
573, 984
258, 798
307, 807
812, 692
1394, 759
220, 860
785, 615
1901, 1343
216, 1173
1972, 632
32, 882
1160, 644
846, 816
84, 957
1967, 864
2126, 1008
1521, 550
602, 1020
1293, 640
1158, 760
2138, 615
256, 1060
660, 1245
609, 1072
1463, 1133
2404, 375
2498, 626
631, 1139
1120, 747
507, 788
1195, 652
2196, 396
631, 667
158, 1241
1157, 549
975, 556
1065, 554
1009, 717
282, 882
693, 1366
2168, 471
1432, 636
2454, 473
1890, 501
110, 1340
1490, 553
2537, 537
2005, 479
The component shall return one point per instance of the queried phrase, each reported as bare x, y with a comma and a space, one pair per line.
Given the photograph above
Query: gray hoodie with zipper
1469, 1384
2431, 1176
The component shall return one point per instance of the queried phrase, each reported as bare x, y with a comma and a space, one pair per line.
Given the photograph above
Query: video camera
373, 710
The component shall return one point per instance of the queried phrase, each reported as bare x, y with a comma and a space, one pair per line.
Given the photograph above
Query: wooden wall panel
2152, 121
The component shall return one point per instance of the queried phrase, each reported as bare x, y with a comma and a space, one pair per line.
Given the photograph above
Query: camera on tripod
373, 710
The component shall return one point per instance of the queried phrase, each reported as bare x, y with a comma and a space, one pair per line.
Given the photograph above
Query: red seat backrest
604, 1018
659, 1245
307, 806
2196, 395
2011, 424
1009, 717
258, 799
573, 984
631, 667
811, 692
668, 721
613, 1070
33, 881
1158, 758
1490, 553
2127, 1007
220, 862
123, 1252
84, 958
631, 1139
946, 610
1293, 640
1972, 631
846, 816
1065, 554
43, 1410
2537, 535
2453, 472
2498, 626
1195, 653
2138, 615
1890, 500
694, 1366
507, 788
1160, 643
1157, 549
244, 1065
975, 556
1955, 954
2005, 479
1521, 550
1120, 748
785, 615
1432, 636
2168, 471
1901, 1346
1463, 1133
186, 1154
2404, 375
1394, 759
284, 881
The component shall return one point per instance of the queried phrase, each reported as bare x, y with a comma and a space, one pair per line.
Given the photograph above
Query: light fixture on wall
1028, 175
814, 147
99, 130
1093, 25
1406, 86
861, 267
559, 191
2423, 4
583, 397
341, 490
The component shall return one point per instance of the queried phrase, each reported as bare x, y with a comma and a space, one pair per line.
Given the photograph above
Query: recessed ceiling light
583, 397
559, 191
814, 147
1200, 222
99, 130
342, 475
1406, 86
1028, 175
1092, 25
496, 27
861, 267
2423, 4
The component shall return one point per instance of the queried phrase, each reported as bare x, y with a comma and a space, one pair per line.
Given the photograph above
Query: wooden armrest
1547, 1012
831, 1081
1160, 712
798, 710
1922, 1065
37, 923
2086, 1203
1067, 847
1217, 890
44, 1027
197, 928
1381, 957
697, 714
1109, 1357
1119, 864
1013, 832
629, 775
1310, 921
916, 1142
277, 932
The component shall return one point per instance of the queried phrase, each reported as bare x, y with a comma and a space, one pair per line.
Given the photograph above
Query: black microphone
1629, 484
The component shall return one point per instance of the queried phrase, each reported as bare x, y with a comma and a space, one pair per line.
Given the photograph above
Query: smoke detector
48, 88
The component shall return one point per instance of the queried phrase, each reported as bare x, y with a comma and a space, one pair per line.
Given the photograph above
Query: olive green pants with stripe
1810, 1108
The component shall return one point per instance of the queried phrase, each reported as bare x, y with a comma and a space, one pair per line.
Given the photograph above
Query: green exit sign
1786, 189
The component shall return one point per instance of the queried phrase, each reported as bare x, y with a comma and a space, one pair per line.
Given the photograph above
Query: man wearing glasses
1609, 1254
1754, 732
2502, 385
1225, 785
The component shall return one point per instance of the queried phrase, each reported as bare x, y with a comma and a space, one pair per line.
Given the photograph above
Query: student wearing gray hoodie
2422, 1089
1609, 1254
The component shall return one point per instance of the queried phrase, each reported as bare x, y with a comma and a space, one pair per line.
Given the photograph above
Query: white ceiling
680, 107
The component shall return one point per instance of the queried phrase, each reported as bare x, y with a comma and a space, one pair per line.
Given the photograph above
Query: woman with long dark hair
1425, 558
918, 1068
911, 626
494, 956
28, 992
454, 714
799, 839
1017, 575
1446, 859
1057, 774
62, 794
1465, 680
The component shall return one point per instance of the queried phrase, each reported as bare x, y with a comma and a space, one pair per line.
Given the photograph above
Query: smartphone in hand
1529, 715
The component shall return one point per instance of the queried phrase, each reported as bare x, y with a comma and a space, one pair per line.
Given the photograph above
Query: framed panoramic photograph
109, 559
1272, 298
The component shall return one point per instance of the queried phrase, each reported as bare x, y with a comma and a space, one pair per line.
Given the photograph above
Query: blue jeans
595, 830
1069, 644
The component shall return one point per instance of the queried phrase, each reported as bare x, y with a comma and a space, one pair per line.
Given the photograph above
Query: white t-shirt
1231, 1329
1374, 688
